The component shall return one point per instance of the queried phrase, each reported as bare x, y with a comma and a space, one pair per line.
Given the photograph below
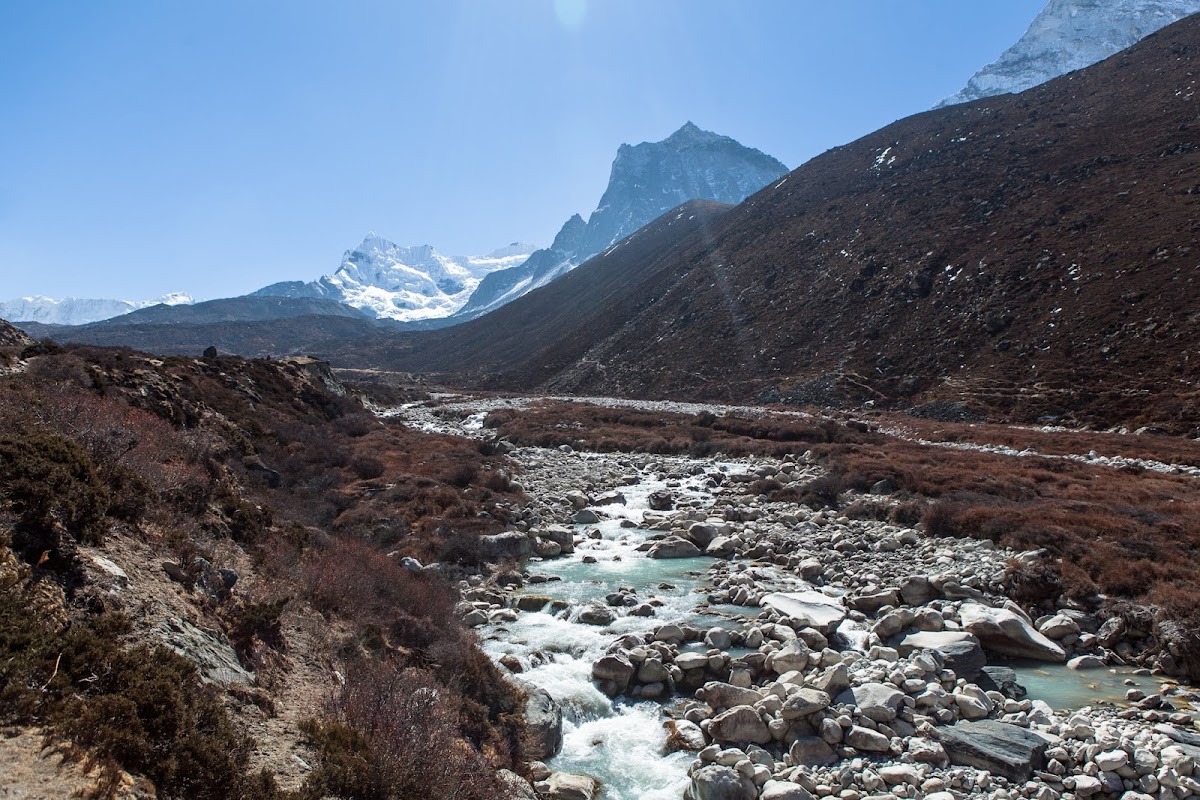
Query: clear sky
215, 146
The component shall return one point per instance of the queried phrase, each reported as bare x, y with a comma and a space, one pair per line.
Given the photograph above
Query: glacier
80, 310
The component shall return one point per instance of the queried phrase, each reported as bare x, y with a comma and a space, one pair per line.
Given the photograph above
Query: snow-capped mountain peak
403, 283
1068, 35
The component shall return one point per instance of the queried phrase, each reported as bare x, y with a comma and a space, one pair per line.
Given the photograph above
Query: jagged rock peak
1068, 35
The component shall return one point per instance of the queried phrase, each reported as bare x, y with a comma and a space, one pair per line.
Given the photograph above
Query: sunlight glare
570, 13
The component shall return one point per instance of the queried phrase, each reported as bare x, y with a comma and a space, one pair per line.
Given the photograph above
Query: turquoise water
1066, 689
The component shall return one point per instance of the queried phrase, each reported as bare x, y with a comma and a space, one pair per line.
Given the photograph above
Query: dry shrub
393, 734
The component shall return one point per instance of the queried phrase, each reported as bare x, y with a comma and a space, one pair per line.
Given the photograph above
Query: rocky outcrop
1004, 631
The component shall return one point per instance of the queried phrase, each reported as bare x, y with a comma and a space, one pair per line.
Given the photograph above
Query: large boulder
725, 695
511, 545
804, 703
1003, 631
613, 672
784, 790
998, 747
792, 656
960, 650
807, 609
877, 701
739, 724
543, 722
715, 782
673, 547
567, 786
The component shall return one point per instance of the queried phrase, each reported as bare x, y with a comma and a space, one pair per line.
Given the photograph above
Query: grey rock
867, 740
998, 747
510, 545
543, 721
715, 782
960, 651
808, 609
1003, 631
738, 725
877, 701
673, 547
811, 751
804, 703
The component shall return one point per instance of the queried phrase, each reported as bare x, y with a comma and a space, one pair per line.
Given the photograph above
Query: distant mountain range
1068, 35
79, 311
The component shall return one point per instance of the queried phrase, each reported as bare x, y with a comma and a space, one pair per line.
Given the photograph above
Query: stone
673, 547
661, 500
998, 747
877, 701
917, 590
510, 545
684, 735
804, 703
543, 721
1086, 786
609, 499
567, 786
532, 602
686, 661
652, 671
1086, 662
716, 782
1059, 627
725, 695
718, 638
1000, 679
738, 725
870, 603
111, 571
216, 659
702, 533
585, 517
792, 656
833, 681
544, 548
808, 609
784, 790
596, 614
894, 774
1111, 760
960, 651
614, 667
926, 751
811, 751
1003, 631
514, 786
867, 740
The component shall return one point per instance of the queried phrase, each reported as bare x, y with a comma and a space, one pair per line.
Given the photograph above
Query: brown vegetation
325, 498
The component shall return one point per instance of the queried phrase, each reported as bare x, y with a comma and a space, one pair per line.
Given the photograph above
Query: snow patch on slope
79, 310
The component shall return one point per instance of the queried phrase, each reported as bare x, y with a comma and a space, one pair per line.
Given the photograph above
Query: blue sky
215, 146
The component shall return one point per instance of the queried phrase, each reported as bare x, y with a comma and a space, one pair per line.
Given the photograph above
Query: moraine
793, 659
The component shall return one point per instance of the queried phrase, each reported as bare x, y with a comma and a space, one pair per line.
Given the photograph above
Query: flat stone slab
812, 609
960, 650
998, 747
1003, 631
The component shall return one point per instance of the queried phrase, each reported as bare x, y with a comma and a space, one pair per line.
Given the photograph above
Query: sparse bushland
550, 424
193, 457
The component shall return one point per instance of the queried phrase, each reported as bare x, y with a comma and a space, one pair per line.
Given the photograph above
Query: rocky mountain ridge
646, 181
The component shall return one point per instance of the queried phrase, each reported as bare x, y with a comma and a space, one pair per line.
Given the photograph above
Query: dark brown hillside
1032, 254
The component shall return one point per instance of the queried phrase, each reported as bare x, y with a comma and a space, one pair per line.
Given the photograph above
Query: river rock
870, 603
613, 668
1086, 662
877, 701
661, 500
511, 545
715, 782
725, 695
515, 787
833, 681
561, 536
804, 703
1004, 631
566, 786
807, 609
960, 650
1058, 627
686, 661
673, 547
585, 517
867, 740
792, 656
543, 721
784, 790
684, 735
811, 751
998, 747
532, 602
544, 548
738, 725
596, 614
